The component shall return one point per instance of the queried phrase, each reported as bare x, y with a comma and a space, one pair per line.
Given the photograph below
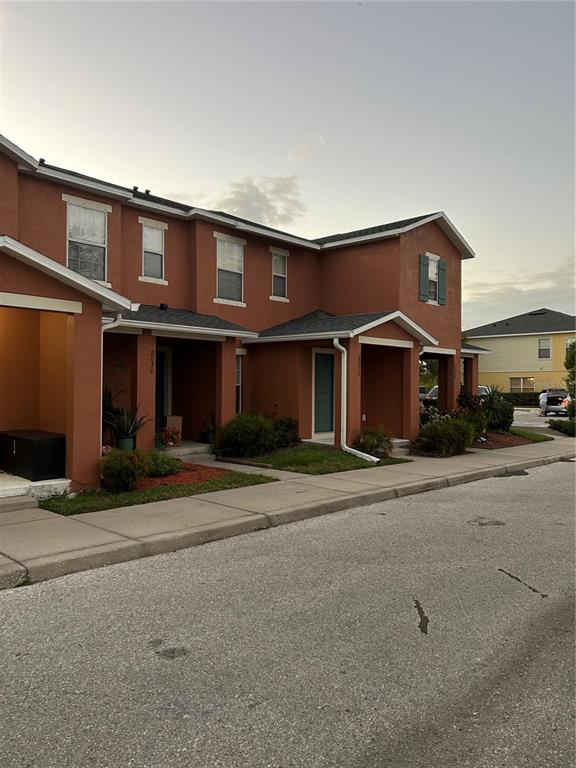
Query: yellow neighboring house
527, 351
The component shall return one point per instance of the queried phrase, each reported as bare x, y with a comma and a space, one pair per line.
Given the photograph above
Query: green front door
323, 392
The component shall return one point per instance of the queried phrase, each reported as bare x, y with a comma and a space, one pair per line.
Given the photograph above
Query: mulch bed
189, 474
496, 440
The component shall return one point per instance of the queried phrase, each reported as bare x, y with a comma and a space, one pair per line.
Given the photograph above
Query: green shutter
424, 278
442, 282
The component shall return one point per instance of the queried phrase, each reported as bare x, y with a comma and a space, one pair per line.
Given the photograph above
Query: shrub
286, 432
443, 437
567, 427
477, 421
120, 470
498, 412
374, 442
247, 434
525, 399
159, 464
469, 402
571, 409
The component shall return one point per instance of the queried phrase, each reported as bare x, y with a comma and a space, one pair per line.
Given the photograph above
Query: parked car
557, 402
431, 398
423, 391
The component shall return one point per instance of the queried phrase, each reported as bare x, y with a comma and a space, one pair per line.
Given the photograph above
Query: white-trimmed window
153, 260
279, 274
522, 384
433, 277
230, 269
87, 233
544, 349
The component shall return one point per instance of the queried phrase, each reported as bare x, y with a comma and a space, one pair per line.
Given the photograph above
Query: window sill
230, 302
280, 298
155, 280
104, 283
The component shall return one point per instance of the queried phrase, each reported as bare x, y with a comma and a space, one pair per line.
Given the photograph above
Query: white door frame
323, 435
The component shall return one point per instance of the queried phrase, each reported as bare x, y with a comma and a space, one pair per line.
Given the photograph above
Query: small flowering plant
170, 436
106, 449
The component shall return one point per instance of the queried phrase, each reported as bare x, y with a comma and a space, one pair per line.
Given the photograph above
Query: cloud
302, 151
272, 200
507, 294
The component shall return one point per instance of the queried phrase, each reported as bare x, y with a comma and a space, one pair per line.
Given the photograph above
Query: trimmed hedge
522, 399
252, 434
567, 427
443, 437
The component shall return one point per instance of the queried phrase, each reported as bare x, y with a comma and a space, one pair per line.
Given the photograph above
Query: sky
320, 118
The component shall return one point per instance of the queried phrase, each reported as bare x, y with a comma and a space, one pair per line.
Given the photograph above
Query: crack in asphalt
424, 620
532, 589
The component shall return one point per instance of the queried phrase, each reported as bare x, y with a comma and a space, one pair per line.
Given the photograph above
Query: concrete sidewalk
36, 545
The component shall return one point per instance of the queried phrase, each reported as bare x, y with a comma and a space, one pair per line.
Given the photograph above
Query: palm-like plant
126, 423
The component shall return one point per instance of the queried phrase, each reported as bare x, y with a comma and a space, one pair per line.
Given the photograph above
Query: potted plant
126, 424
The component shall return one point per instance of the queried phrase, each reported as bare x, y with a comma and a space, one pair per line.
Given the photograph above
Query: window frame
433, 258
548, 348
93, 205
522, 388
239, 241
153, 224
274, 251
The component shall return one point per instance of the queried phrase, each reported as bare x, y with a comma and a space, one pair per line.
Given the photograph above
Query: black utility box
33, 454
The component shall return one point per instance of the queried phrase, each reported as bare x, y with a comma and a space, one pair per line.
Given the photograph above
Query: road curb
13, 574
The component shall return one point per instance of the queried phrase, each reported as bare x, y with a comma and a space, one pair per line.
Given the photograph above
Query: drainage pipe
343, 405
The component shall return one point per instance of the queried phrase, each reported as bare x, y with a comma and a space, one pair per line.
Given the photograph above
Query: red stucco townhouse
199, 313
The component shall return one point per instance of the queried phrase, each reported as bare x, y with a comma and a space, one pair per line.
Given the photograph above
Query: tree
570, 365
428, 373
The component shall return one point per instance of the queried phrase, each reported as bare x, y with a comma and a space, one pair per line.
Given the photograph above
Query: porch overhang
109, 299
179, 323
340, 327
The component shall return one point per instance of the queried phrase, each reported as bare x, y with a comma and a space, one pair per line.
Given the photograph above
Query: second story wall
360, 278
260, 310
8, 197
442, 321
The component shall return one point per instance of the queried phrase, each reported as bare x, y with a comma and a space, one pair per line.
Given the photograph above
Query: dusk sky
320, 118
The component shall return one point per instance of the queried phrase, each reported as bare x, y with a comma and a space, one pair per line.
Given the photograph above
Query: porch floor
13, 485
189, 448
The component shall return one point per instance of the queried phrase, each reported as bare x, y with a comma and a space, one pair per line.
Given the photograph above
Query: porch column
354, 399
471, 374
410, 399
84, 396
225, 381
144, 388
448, 381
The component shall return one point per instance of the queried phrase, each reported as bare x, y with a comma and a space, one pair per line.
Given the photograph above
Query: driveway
430, 630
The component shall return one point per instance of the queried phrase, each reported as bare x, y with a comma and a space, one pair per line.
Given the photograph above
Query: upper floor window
433, 284
87, 230
230, 269
279, 274
153, 266
544, 349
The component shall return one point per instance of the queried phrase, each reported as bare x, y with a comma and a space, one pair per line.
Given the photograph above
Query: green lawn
536, 437
96, 500
317, 460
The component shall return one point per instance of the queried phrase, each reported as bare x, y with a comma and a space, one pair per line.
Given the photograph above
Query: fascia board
183, 329
404, 322
109, 299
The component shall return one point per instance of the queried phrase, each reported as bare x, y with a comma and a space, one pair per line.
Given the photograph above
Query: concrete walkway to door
36, 545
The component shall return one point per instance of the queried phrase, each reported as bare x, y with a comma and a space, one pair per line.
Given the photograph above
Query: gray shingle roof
372, 230
537, 321
322, 322
473, 348
148, 313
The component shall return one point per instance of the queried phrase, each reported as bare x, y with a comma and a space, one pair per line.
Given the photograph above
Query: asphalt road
432, 631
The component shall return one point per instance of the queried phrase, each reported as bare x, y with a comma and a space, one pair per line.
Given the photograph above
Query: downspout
343, 405
105, 326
